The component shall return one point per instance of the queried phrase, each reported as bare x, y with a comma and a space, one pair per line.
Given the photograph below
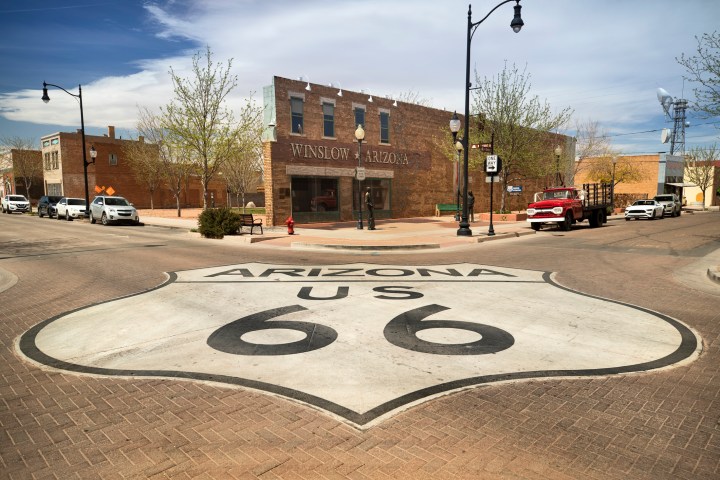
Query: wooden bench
247, 220
441, 208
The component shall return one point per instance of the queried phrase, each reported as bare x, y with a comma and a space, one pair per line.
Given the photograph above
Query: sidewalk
409, 234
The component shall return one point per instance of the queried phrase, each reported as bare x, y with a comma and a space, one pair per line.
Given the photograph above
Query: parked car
46, 205
112, 210
69, 208
671, 204
14, 203
650, 209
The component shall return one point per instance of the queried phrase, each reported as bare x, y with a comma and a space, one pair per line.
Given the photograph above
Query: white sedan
650, 209
69, 208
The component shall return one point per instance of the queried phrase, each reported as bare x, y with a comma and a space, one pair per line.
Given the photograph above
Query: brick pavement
663, 424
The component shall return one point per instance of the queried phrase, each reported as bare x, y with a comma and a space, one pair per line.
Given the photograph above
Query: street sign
484, 147
360, 173
491, 164
495, 178
514, 188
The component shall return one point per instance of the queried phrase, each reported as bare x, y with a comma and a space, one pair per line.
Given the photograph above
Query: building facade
311, 156
111, 173
20, 169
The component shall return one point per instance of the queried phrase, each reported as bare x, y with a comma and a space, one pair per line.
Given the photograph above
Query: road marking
361, 341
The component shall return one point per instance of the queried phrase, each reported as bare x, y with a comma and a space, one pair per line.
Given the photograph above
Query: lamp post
558, 152
359, 136
612, 185
459, 148
46, 99
516, 24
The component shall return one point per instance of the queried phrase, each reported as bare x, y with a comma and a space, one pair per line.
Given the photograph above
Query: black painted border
686, 348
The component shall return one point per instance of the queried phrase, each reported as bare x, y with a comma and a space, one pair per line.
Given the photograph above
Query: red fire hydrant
290, 224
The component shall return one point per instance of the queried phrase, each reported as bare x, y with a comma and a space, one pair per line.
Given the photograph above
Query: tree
243, 168
703, 68
603, 169
592, 142
26, 162
700, 167
197, 120
171, 159
518, 123
145, 162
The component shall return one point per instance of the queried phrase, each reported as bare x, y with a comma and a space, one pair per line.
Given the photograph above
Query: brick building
111, 172
310, 156
18, 167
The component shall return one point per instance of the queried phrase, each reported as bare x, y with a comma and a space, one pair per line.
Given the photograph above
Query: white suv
15, 203
112, 210
671, 204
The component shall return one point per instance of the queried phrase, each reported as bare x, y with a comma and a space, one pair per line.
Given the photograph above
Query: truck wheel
567, 223
595, 219
536, 226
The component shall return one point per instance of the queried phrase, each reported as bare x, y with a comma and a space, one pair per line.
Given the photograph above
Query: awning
681, 184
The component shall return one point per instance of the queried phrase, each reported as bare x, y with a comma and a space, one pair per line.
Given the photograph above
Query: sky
603, 59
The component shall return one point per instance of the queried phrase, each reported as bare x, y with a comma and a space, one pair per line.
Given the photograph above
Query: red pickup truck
566, 206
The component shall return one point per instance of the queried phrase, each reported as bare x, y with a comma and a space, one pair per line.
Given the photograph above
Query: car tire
104, 219
679, 212
92, 219
67, 216
536, 226
40, 215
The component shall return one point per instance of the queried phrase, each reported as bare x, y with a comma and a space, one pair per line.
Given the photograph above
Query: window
379, 192
359, 117
113, 159
384, 127
55, 160
48, 164
296, 113
328, 119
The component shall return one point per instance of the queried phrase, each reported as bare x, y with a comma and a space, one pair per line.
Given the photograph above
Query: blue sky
605, 59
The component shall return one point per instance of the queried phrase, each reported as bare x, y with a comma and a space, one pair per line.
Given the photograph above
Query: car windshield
16, 198
118, 201
556, 195
645, 202
667, 198
75, 201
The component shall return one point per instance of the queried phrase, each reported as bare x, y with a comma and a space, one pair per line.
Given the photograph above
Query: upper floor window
113, 159
55, 160
359, 117
296, 114
384, 127
328, 119
48, 165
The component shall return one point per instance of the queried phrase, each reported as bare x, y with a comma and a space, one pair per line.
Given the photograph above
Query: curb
334, 246
714, 274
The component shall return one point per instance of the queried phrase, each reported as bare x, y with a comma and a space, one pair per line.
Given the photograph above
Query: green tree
703, 68
603, 169
519, 124
700, 167
197, 119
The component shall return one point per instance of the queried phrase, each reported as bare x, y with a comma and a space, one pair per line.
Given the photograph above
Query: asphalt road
659, 422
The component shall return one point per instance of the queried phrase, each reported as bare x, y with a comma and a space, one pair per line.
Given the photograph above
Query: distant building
111, 174
17, 167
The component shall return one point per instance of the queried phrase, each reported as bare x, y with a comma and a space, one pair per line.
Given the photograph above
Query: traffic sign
360, 173
492, 164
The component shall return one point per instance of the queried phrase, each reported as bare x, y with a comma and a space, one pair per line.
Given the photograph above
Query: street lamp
459, 148
612, 186
46, 99
359, 136
558, 152
516, 24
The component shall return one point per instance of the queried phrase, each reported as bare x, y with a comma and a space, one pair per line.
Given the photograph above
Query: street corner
360, 341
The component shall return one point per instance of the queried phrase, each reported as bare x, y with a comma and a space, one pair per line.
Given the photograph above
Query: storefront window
315, 199
379, 192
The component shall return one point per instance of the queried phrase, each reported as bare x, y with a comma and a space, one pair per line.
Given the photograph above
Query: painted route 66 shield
361, 341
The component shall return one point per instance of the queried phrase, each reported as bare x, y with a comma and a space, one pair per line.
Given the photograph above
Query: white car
109, 210
69, 208
15, 203
650, 209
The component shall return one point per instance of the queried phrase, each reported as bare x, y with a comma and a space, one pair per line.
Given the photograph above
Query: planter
504, 217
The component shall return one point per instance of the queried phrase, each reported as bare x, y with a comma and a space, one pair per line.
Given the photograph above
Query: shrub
218, 222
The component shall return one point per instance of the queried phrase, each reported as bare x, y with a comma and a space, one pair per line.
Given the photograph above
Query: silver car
109, 210
671, 204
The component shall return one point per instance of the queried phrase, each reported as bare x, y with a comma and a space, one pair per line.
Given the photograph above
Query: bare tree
518, 123
146, 164
26, 162
197, 119
243, 168
700, 167
703, 68
604, 169
592, 142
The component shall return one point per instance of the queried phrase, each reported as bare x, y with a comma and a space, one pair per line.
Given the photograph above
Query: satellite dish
665, 100
665, 135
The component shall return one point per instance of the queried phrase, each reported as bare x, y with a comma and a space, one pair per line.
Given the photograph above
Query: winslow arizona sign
361, 341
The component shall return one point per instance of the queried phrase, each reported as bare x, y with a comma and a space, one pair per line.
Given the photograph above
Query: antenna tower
674, 110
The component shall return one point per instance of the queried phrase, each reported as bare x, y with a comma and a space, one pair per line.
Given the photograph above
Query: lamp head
93, 152
517, 21
558, 151
45, 97
459, 145
360, 134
